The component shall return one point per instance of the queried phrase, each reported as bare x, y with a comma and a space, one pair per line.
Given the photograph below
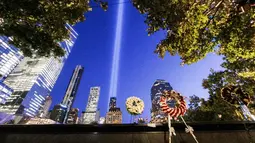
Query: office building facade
73, 116
5, 92
48, 115
81, 118
32, 81
69, 97
89, 117
72, 90
44, 111
58, 113
91, 113
112, 103
114, 116
157, 115
10, 57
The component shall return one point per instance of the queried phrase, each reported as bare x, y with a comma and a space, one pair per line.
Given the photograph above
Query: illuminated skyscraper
157, 115
91, 114
5, 92
45, 108
114, 116
112, 103
10, 57
81, 118
32, 81
73, 116
60, 112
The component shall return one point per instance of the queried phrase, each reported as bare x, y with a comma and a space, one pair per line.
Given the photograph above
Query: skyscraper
114, 116
10, 57
81, 118
157, 115
48, 115
91, 113
73, 116
60, 112
33, 79
112, 103
45, 107
5, 92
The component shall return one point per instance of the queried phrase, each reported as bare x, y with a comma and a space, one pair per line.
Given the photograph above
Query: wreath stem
190, 131
169, 126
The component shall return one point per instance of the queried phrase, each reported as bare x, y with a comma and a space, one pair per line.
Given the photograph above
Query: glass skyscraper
58, 113
157, 115
112, 103
61, 111
44, 111
32, 81
10, 57
91, 114
5, 92
73, 116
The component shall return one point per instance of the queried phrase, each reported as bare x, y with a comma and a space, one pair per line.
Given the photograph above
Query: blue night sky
139, 67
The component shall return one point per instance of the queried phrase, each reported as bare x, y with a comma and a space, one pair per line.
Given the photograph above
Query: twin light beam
116, 51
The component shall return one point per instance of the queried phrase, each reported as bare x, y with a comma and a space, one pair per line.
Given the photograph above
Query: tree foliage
196, 28
194, 102
219, 80
36, 26
216, 108
235, 94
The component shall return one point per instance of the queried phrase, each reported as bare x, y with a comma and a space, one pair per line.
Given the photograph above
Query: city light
116, 51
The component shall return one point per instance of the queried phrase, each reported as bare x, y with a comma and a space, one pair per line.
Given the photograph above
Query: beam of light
116, 52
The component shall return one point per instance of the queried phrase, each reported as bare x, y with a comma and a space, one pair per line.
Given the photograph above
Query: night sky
139, 67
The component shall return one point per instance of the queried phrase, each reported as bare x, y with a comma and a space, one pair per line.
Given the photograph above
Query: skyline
122, 70
139, 66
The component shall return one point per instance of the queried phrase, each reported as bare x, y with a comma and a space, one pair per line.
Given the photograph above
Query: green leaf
37, 26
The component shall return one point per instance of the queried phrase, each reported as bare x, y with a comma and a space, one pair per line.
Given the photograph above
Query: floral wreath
134, 105
233, 94
178, 110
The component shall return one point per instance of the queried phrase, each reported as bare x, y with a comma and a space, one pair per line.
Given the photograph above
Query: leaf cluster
37, 26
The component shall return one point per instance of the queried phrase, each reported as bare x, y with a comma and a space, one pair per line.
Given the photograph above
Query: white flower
134, 105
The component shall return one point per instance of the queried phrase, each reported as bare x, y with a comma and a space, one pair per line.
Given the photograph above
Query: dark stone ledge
221, 132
